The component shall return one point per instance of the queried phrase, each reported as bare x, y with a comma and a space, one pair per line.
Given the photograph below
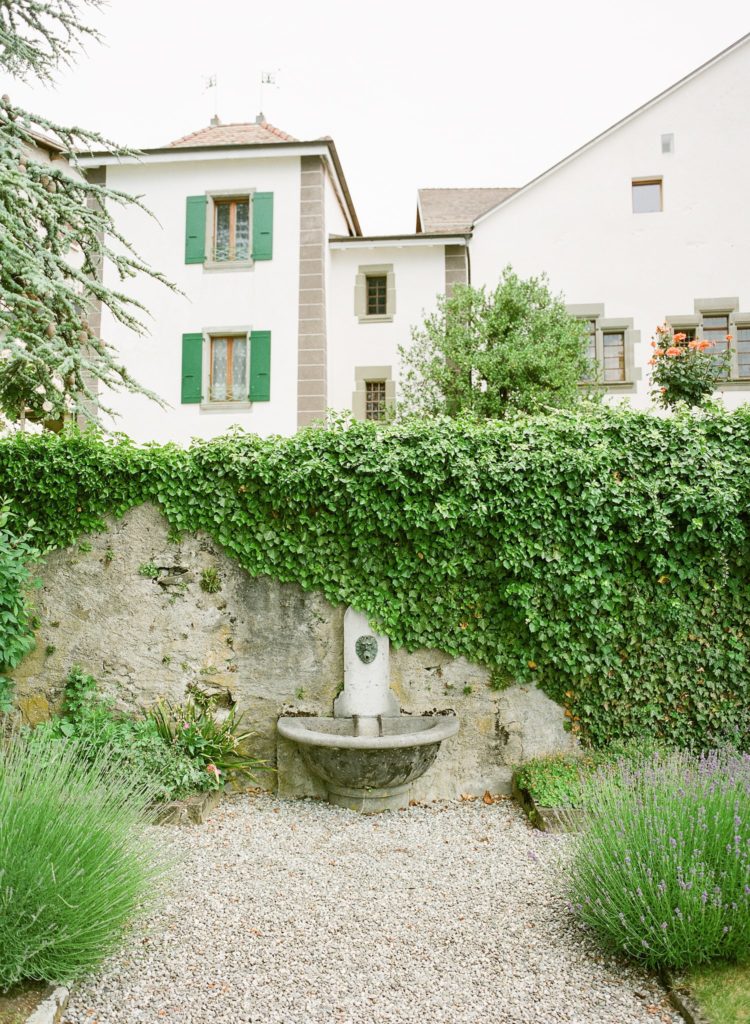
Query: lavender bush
662, 870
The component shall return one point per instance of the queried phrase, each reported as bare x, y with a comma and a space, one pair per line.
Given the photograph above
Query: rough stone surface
296, 912
34, 708
270, 648
50, 1010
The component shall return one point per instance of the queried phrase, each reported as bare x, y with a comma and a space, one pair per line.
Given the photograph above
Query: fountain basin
367, 772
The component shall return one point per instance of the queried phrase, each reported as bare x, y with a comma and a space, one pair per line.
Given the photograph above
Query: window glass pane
377, 296
239, 370
614, 356
242, 231
590, 331
221, 247
646, 196
689, 332
715, 330
218, 369
743, 352
375, 399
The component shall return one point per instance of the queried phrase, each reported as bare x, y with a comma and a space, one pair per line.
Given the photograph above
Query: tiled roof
456, 209
252, 134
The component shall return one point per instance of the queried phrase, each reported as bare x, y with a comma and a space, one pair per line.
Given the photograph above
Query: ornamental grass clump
662, 870
76, 862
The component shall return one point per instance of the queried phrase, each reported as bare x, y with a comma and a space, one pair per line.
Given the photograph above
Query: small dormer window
231, 229
647, 195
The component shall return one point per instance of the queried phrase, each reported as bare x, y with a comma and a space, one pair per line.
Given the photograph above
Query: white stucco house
287, 309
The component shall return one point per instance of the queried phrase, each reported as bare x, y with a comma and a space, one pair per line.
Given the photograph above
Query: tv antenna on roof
266, 78
212, 82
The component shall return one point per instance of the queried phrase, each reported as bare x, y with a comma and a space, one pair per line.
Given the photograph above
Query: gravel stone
302, 913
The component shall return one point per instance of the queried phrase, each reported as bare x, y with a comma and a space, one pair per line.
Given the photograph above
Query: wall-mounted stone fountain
368, 754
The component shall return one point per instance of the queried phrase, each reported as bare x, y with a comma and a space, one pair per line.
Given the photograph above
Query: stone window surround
209, 263
728, 306
359, 396
222, 332
360, 293
595, 311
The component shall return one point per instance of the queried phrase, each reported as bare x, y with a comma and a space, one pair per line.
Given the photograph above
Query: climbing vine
602, 553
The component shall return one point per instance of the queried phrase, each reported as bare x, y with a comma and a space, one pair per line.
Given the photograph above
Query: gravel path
302, 913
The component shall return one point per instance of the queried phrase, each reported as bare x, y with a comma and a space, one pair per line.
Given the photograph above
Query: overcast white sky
415, 92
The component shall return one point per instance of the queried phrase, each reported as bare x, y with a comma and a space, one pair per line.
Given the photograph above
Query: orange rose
703, 345
680, 336
662, 390
658, 352
674, 351
652, 362
728, 337
693, 344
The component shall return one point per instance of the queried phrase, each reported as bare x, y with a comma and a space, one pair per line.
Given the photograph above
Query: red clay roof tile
252, 134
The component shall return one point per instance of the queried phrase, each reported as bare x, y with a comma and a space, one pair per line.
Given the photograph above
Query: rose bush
685, 370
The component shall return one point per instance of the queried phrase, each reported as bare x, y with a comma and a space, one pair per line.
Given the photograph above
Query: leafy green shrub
149, 570
77, 865
16, 627
492, 353
554, 781
559, 780
133, 743
602, 554
662, 869
198, 731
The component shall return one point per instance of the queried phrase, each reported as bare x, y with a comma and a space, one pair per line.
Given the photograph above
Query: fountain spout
368, 725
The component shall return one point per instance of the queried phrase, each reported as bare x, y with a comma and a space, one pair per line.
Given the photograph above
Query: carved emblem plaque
366, 647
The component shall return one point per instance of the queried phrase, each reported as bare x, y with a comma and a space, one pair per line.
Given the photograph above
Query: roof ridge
276, 131
466, 188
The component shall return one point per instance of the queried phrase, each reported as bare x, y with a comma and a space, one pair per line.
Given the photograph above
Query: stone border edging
681, 998
547, 819
51, 1008
191, 811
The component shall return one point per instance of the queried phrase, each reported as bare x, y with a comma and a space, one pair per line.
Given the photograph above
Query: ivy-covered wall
601, 554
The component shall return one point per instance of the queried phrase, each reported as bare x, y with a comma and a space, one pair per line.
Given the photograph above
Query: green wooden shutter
192, 368
260, 366
263, 225
195, 229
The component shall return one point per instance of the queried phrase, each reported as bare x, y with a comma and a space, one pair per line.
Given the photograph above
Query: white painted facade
210, 298
419, 273
575, 223
263, 297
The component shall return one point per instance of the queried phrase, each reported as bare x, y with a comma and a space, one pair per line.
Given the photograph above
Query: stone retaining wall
271, 648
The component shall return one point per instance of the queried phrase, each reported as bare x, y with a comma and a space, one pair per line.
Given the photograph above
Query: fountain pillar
367, 690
